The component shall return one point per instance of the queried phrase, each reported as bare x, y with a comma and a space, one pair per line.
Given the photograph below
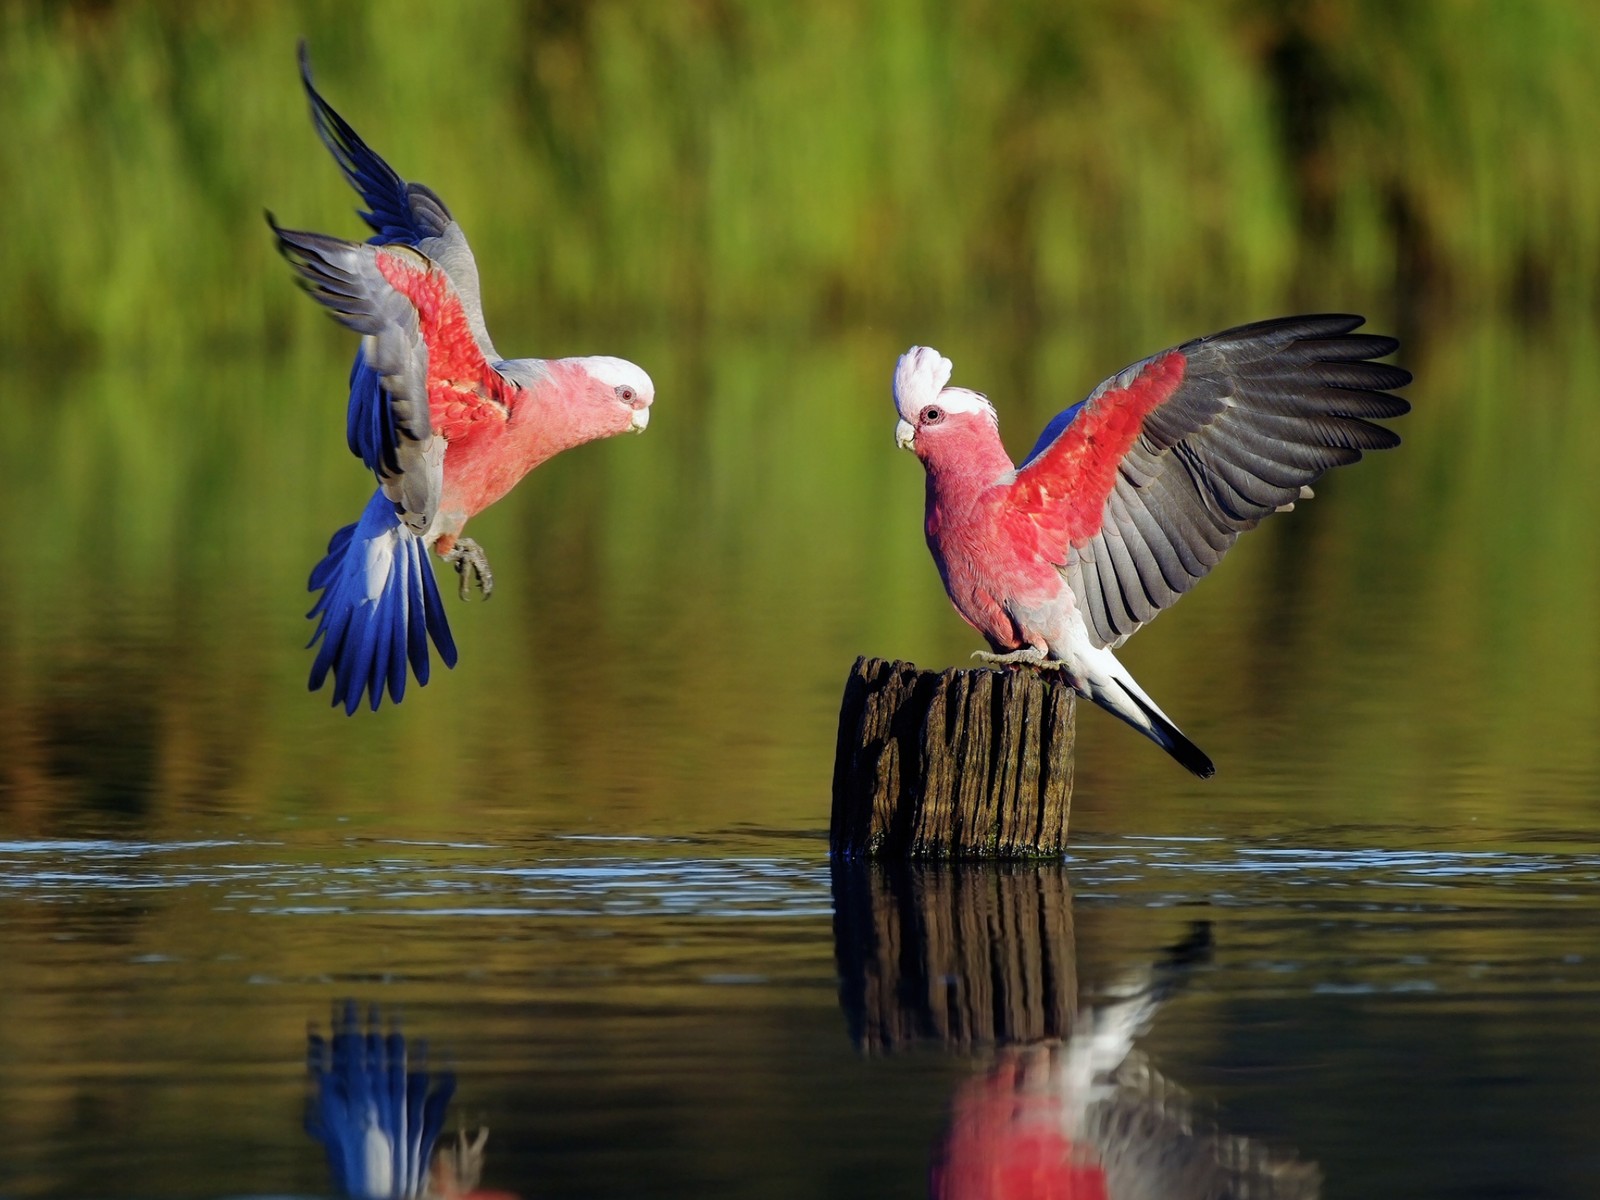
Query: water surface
589, 865
687, 1017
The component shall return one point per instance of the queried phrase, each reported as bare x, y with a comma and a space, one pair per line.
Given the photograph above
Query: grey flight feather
344, 277
1261, 412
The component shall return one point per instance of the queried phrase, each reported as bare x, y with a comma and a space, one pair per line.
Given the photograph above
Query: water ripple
677, 877
419, 879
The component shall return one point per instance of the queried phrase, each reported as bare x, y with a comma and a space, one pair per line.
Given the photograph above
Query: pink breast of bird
975, 541
470, 404
982, 531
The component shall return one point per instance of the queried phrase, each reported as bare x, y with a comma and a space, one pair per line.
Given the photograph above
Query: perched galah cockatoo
1134, 493
444, 422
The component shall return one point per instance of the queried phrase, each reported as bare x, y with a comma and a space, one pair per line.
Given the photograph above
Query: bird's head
936, 420
621, 392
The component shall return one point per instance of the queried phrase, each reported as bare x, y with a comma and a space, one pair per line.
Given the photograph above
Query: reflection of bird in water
379, 1111
1089, 1119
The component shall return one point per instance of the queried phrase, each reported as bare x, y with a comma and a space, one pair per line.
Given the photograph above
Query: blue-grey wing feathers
397, 211
1261, 412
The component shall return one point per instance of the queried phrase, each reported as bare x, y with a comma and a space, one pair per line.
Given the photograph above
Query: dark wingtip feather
1192, 758
391, 211
1189, 756
1281, 331
1169, 737
320, 108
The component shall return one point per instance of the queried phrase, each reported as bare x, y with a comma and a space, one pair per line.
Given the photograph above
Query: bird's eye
625, 394
932, 415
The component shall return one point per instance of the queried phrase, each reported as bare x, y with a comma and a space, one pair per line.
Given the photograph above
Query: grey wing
1260, 413
390, 425
400, 213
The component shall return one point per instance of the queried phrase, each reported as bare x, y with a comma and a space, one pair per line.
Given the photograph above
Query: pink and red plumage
446, 425
1134, 494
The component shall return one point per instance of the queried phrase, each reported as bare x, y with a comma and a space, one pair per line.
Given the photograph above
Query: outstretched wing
425, 371
1141, 488
400, 213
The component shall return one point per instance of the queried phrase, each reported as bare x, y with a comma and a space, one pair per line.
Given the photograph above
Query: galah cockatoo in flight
446, 425
1134, 493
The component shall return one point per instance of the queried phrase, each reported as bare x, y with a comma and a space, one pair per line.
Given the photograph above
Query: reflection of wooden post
962, 955
958, 764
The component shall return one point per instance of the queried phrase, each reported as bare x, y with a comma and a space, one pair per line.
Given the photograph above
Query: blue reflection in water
379, 1109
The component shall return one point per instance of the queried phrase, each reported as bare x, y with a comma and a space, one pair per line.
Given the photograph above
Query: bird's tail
379, 605
1117, 693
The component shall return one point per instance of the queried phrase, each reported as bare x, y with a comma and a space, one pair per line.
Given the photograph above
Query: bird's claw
459, 1168
1029, 655
472, 564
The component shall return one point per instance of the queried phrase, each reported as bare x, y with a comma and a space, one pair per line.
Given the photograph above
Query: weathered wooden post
956, 764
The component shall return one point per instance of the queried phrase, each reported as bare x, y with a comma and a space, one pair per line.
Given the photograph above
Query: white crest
920, 375
920, 379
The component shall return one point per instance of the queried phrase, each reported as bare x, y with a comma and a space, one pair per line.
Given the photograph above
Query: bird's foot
458, 1169
472, 564
1032, 656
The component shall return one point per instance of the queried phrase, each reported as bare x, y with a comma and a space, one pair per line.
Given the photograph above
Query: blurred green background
764, 204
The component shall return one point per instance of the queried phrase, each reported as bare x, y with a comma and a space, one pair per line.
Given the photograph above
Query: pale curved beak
640, 418
905, 434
